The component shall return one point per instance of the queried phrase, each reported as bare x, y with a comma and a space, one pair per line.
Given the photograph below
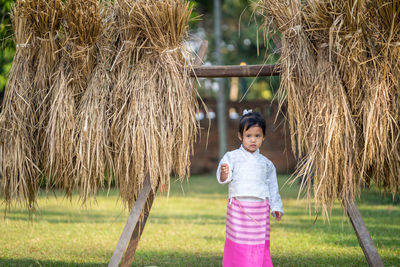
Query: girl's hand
224, 172
278, 215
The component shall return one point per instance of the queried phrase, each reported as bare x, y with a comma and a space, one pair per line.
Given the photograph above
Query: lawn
188, 228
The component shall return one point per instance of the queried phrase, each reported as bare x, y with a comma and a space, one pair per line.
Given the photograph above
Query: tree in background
7, 45
243, 42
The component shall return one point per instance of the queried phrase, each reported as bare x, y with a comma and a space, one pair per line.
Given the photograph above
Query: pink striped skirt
247, 234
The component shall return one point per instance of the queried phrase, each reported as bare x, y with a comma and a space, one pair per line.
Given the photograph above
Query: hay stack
381, 116
93, 141
340, 69
82, 27
45, 18
105, 91
19, 120
154, 124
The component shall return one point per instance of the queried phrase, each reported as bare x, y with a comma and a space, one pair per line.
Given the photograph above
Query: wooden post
133, 229
200, 55
131, 223
137, 233
364, 238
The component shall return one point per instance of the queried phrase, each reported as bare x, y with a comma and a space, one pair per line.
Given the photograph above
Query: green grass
188, 229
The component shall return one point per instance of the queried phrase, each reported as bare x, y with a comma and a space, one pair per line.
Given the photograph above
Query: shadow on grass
173, 259
40, 263
142, 258
344, 237
203, 219
373, 197
318, 260
55, 217
380, 222
331, 260
50, 216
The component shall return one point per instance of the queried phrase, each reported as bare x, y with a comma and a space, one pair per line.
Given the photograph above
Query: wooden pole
364, 238
200, 55
137, 233
236, 71
131, 223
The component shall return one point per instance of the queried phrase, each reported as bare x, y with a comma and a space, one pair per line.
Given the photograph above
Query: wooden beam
137, 233
131, 223
235, 71
278, 43
364, 238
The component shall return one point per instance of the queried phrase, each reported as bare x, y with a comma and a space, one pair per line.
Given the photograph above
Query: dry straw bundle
381, 115
19, 169
94, 158
340, 69
82, 27
35, 25
153, 123
97, 90
45, 17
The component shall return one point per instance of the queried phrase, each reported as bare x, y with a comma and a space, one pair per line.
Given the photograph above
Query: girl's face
252, 138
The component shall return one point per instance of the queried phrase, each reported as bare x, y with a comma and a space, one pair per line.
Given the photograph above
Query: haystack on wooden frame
153, 125
345, 54
82, 27
102, 86
35, 24
99, 91
135, 68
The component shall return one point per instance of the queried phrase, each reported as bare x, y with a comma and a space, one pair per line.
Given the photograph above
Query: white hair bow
247, 111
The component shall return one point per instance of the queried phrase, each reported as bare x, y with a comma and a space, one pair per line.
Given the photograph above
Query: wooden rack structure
129, 240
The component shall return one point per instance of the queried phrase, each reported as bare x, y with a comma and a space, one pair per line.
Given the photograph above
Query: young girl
253, 191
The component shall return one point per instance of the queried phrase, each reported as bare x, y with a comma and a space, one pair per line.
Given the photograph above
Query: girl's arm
224, 171
275, 200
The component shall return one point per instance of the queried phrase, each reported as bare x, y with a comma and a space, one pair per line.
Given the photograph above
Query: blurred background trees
7, 44
243, 42
242, 36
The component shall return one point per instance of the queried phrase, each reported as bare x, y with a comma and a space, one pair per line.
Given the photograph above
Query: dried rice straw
88, 97
45, 18
381, 106
18, 150
340, 77
82, 29
154, 124
94, 159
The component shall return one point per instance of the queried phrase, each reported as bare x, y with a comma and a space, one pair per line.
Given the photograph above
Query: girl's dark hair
249, 120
